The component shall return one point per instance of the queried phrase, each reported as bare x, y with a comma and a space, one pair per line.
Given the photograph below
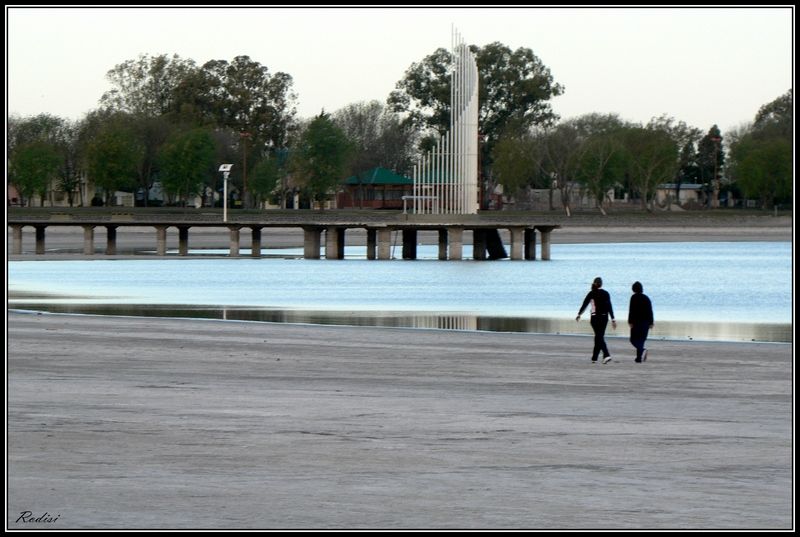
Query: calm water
737, 291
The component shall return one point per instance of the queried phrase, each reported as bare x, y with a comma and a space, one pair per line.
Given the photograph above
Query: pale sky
703, 66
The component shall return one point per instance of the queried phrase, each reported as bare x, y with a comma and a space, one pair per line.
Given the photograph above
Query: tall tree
653, 159
764, 169
601, 164
515, 88
187, 161
378, 135
517, 161
776, 118
710, 160
34, 167
146, 86
113, 153
323, 156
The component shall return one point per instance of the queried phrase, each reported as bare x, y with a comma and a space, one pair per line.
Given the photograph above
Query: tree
601, 163
688, 169
515, 88
113, 154
378, 135
34, 167
764, 169
146, 86
323, 156
516, 161
57, 133
187, 161
710, 160
761, 153
560, 147
266, 176
653, 159
776, 118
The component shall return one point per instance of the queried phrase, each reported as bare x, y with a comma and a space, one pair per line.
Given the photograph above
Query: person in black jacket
601, 310
640, 319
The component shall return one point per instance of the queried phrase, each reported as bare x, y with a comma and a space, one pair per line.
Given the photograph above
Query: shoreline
701, 331
166, 423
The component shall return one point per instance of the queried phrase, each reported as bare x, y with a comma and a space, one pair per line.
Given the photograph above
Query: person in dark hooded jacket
640, 319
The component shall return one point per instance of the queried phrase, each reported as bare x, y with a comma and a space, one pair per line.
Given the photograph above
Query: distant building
377, 188
687, 193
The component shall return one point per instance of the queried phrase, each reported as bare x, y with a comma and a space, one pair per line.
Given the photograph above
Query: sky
704, 66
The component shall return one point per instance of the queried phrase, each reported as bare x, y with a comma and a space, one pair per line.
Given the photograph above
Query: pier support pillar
255, 243
409, 244
311, 242
88, 240
111, 240
372, 243
234, 242
384, 244
479, 244
161, 240
517, 242
183, 240
545, 244
334, 243
442, 244
530, 244
455, 240
16, 239
40, 239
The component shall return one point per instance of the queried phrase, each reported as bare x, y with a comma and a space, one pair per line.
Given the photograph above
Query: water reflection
763, 332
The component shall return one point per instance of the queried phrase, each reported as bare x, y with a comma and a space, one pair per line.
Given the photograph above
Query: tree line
168, 120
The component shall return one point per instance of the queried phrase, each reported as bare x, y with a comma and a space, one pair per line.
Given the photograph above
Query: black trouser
639, 336
599, 324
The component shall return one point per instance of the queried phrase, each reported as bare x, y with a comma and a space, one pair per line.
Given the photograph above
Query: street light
226, 171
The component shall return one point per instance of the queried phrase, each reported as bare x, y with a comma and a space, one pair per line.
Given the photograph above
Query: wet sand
165, 423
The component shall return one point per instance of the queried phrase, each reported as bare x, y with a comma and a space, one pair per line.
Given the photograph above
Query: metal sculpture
446, 178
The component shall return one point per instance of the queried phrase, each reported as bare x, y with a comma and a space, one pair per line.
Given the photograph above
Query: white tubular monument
446, 178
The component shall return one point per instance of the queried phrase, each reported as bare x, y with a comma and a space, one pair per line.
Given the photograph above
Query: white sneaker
606, 359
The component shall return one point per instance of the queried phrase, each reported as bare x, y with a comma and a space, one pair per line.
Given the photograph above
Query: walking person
640, 319
600, 301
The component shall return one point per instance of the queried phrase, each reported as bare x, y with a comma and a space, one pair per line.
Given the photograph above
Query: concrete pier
255, 242
111, 240
16, 240
383, 234
40, 232
234, 246
384, 244
88, 240
409, 244
183, 240
311, 242
372, 243
161, 240
455, 243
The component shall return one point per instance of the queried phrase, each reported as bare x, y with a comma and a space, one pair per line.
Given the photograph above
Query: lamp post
226, 171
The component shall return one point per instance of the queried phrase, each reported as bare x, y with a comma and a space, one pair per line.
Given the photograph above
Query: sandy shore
163, 423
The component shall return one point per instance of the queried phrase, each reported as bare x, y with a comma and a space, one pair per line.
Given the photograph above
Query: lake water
726, 290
